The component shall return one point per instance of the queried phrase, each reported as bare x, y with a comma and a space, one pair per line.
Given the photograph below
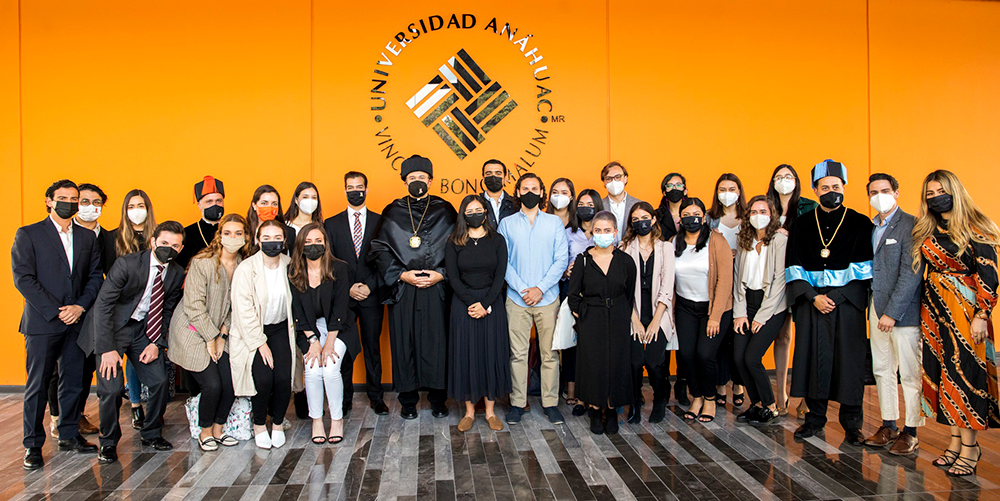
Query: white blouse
691, 274
730, 234
753, 267
276, 310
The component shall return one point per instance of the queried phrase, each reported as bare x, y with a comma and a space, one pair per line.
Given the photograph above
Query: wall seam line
868, 76
20, 113
607, 68
312, 85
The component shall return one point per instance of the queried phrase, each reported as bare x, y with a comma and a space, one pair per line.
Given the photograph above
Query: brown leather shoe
465, 424
882, 437
495, 423
86, 427
905, 444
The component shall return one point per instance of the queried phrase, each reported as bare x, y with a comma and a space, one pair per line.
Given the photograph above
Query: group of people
275, 304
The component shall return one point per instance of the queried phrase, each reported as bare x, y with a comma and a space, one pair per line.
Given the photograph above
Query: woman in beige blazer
759, 307
653, 332
262, 337
200, 327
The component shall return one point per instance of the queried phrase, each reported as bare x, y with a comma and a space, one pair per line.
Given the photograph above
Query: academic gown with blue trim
830, 349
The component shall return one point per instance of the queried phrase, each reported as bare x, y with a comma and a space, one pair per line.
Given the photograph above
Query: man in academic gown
210, 196
408, 251
829, 272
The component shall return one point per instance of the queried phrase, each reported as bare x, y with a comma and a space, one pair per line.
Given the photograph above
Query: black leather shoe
807, 430
108, 454
610, 421
78, 444
439, 410
854, 437
659, 410
408, 413
138, 418
748, 415
33, 458
764, 416
634, 416
160, 444
380, 408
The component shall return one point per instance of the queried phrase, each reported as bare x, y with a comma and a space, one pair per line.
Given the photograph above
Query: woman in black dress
601, 296
479, 347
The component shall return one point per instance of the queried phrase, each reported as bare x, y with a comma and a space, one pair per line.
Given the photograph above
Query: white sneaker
277, 437
263, 440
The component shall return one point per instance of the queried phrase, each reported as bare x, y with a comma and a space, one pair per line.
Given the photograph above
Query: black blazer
341, 234
42, 274
106, 247
335, 299
506, 209
118, 299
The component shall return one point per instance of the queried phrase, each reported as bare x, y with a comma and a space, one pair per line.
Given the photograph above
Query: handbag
564, 335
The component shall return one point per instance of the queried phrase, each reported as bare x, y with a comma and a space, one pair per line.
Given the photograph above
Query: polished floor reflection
385, 457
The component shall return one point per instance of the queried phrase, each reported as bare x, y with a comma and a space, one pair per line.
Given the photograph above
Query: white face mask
785, 186
728, 198
760, 221
559, 201
615, 188
89, 213
137, 216
882, 202
233, 244
308, 205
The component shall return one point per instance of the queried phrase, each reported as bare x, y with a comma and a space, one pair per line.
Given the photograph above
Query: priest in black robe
829, 271
210, 196
408, 250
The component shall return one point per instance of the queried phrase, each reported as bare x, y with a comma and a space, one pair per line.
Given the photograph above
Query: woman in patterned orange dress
958, 245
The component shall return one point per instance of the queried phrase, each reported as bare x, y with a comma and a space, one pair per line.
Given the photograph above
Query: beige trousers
519, 322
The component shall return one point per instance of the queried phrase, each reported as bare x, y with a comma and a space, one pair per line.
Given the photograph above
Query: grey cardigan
774, 281
206, 307
895, 286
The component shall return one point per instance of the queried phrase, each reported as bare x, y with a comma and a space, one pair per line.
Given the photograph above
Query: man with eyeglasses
618, 201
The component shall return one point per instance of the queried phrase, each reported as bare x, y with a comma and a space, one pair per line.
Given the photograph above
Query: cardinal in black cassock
408, 250
829, 272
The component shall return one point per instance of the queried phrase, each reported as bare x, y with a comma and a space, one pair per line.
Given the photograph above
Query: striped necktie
154, 317
357, 234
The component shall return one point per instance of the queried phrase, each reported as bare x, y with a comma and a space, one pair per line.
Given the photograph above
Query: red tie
154, 317
357, 234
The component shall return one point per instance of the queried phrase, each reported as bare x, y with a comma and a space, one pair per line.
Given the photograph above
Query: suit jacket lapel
49, 229
885, 234
77, 247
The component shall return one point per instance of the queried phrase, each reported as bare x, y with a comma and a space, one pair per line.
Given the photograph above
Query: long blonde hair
967, 223
127, 242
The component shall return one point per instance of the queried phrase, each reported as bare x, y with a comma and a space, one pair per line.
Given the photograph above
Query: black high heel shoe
720, 400
596, 421
962, 466
948, 458
739, 399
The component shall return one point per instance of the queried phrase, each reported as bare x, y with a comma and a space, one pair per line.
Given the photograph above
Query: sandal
963, 467
571, 401
707, 418
739, 399
211, 444
691, 415
720, 399
947, 458
320, 438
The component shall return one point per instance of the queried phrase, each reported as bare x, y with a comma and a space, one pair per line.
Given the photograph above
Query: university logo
461, 104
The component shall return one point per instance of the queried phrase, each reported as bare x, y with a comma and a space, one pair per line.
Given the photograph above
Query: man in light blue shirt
537, 257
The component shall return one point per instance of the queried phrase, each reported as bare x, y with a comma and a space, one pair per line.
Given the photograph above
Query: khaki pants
898, 350
519, 322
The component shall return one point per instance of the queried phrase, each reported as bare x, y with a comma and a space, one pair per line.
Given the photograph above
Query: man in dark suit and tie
58, 271
500, 203
131, 317
350, 233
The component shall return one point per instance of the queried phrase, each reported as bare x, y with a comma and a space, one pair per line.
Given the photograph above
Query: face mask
940, 204
831, 199
137, 216
308, 205
272, 248
417, 189
530, 199
784, 186
233, 244
642, 227
615, 188
675, 195
691, 224
313, 252
213, 213
356, 198
760, 221
493, 183
604, 240
585, 213
728, 198
559, 201
89, 213
475, 220
266, 213
882, 202
165, 253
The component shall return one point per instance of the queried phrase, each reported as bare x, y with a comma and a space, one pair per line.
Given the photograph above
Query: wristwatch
224, 336
983, 314
312, 338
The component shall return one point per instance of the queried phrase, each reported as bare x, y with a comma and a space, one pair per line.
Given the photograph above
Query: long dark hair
630, 234
793, 201
598, 205
460, 235
252, 218
293, 206
571, 208
717, 210
680, 243
747, 234
298, 272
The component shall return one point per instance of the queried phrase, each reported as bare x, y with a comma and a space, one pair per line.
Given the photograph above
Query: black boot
659, 410
634, 416
610, 421
138, 417
596, 424
681, 392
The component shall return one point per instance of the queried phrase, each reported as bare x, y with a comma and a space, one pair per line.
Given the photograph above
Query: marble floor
385, 457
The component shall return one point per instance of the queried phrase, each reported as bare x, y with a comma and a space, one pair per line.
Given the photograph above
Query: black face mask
692, 224
493, 183
213, 213
941, 203
313, 252
66, 210
674, 195
475, 220
831, 199
356, 198
165, 253
417, 189
642, 227
585, 213
530, 199
272, 248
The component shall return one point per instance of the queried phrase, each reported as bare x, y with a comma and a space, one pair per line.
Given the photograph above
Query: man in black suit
57, 270
210, 197
500, 203
350, 234
131, 317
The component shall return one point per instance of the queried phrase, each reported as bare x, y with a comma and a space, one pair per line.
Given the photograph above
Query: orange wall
158, 94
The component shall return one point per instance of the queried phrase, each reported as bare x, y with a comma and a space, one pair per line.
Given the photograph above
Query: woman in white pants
323, 325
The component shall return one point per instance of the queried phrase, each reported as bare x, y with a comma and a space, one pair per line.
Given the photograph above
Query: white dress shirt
143, 308
618, 209
494, 204
67, 240
364, 220
753, 269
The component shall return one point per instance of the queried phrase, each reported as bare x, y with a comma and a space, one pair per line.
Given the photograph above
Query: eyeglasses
786, 177
618, 177
96, 203
677, 186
